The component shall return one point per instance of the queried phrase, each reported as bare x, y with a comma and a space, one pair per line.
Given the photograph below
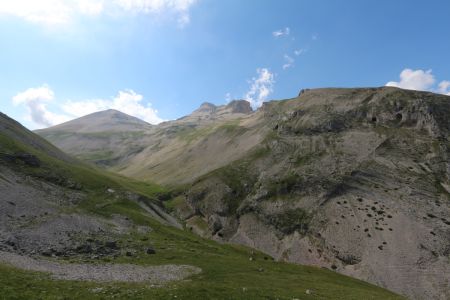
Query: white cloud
444, 87
157, 7
286, 31
91, 7
260, 87
420, 80
38, 11
126, 101
36, 99
57, 12
289, 62
414, 80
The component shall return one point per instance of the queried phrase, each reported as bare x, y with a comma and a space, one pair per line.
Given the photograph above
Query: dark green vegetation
290, 221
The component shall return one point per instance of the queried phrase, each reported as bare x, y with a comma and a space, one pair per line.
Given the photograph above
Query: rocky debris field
101, 272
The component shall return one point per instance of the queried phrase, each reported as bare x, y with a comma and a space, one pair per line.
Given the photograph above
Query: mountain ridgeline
354, 180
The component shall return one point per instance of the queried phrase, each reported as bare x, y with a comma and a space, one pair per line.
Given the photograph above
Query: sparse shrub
290, 221
284, 186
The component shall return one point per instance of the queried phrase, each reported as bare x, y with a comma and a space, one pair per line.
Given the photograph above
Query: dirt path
101, 273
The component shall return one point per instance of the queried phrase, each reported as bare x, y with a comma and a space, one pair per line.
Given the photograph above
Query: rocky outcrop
206, 107
25, 158
240, 107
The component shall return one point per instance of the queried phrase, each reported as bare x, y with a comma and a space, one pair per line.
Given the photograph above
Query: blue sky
160, 59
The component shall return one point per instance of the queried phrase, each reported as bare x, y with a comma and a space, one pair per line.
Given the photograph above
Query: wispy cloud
58, 12
299, 52
36, 101
260, 87
282, 32
289, 62
228, 97
420, 80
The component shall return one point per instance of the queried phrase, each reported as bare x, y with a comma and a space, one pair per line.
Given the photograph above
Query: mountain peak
106, 120
206, 107
240, 106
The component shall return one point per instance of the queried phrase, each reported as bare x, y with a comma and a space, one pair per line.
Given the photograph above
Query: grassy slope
228, 273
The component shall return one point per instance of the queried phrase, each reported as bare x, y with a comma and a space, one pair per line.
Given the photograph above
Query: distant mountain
356, 180
104, 137
104, 121
125, 144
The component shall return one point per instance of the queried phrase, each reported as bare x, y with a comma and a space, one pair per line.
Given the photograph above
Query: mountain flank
70, 230
354, 180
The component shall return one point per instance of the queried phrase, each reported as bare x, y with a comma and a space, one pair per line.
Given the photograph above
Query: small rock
97, 290
308, 292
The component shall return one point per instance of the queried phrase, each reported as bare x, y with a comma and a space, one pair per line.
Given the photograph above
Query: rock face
240, 106
355, 180
206, 107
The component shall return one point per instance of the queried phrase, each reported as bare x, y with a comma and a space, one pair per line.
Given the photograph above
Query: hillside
356, 180
68, 230
99, 137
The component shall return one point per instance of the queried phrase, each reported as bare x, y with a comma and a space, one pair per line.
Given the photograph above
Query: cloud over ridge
260, 87
420, 80
36, 101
